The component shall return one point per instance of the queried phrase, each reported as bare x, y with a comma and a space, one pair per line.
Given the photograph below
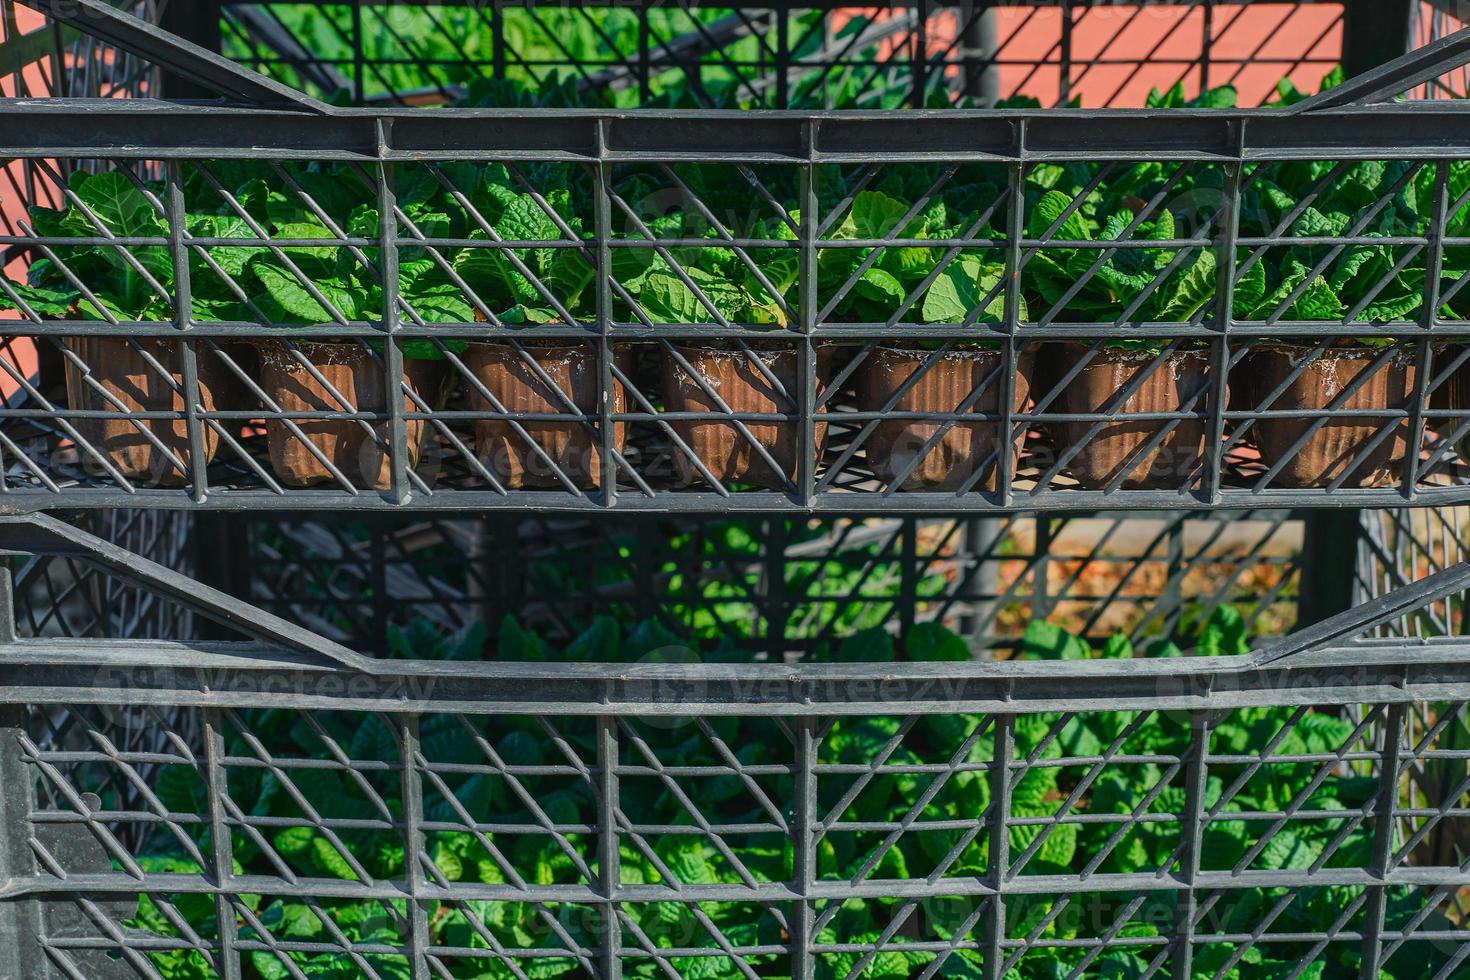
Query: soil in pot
1330, 449
571, 447
132, 385
357, 449
745, 389
951, 378
1130, 453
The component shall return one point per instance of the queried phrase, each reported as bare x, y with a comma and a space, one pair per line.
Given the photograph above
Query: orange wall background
20, 353
1121, 52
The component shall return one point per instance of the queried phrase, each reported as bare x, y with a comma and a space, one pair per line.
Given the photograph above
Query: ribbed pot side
721, 447
123, 372
355, 373
1329, 451
943, 387
572, 447
1125, 452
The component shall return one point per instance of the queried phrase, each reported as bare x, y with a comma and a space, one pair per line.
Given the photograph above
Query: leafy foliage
301, 244
471, 779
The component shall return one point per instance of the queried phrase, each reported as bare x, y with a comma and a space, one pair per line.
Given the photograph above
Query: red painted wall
21, 353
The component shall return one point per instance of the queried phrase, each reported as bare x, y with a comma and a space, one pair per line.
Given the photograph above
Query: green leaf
449, 863
1192, 291
1287, 850
43, 302
269, 965
1117, 647
293, 841
873, 214
599, 643
330, 860
1390, 307
649, 636
880, 286
114, 200
1060, 845
520, 748
519, 645
433, 299
928, 642
1049, 210
667, 298
1224, 634
873, 646
297, 302
961, 289
1223, 97
291, 921
1250, 290
687, 860
1043, 641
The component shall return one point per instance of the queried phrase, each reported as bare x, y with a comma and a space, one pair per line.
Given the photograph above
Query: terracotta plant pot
573, 448
356, 373
122, 370
728, 455
950, 379
1119, 449
1329, 451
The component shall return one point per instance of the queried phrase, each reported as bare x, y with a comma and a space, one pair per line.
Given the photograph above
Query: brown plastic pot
1116, 453
124, 373
728, 455
352, 447
950, 379
1329, 451
573, 448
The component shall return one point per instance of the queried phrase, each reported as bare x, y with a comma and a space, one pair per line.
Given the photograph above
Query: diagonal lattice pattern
871, 56
422, 843
773, 586
488, 330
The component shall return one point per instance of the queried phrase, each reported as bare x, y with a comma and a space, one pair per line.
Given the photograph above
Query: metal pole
805, 841
778, 605
1329, 556
7, 604
503, 565
981, 44
221, 557
994, 934
1389, 771
1374, 32
980, 574
1196, 785
197, 21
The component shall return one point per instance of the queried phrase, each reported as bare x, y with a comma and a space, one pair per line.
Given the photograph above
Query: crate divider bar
606, 352
217, 782
1384, 830
808, 310
805, 828
609, 855
994, 965
1186, 906
414, 843
394, 380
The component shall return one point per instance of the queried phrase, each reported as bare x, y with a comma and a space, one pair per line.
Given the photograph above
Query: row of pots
913, 454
